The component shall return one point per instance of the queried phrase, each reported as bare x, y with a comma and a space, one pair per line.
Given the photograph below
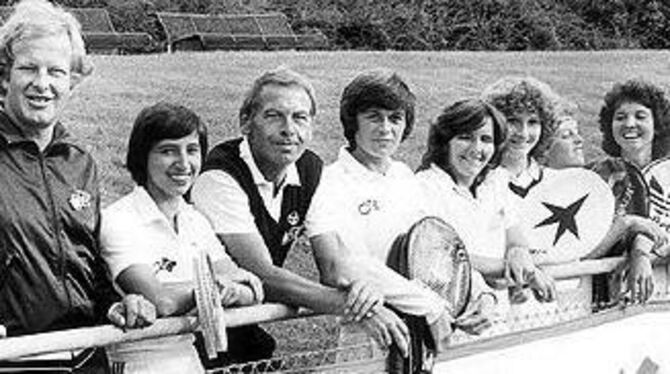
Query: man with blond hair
51, 273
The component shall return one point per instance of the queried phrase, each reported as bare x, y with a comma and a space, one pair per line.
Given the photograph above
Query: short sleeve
211, 243
324, 209
119, 239
221, 199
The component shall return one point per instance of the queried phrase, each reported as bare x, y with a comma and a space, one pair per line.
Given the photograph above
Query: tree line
435, 24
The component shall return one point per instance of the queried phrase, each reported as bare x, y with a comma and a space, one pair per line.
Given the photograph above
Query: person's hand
477, 317
133, 311
520, 270
441, 330
232, 292
3, 331
518, 263
640, 277
252, 281
648, 228
387, 328
543, 285
362, 300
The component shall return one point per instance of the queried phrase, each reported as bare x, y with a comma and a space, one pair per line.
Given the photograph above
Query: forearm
286, 287
489, 267
174, 299
615, 234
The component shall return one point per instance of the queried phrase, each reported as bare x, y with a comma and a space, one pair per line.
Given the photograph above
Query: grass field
104, 106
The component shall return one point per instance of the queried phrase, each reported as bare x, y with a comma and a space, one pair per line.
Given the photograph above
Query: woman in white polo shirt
366, 199
151, 236
457, 176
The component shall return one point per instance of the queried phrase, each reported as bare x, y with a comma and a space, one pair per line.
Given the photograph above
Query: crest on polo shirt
368, 206
293, 218
80, 200
164, 264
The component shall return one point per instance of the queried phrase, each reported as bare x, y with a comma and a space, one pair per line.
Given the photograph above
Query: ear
245, 126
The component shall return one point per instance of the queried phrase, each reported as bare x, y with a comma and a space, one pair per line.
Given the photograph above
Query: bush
435, 24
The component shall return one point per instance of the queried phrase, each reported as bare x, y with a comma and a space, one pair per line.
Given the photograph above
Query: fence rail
74, 339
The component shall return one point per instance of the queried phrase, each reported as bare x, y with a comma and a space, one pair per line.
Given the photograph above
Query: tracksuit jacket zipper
57, 227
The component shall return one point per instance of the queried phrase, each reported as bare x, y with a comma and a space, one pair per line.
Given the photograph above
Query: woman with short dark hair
151, 237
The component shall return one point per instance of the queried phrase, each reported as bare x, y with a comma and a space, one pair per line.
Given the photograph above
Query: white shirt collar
355, 167
146, 207
292, 177
528, 175
446, 180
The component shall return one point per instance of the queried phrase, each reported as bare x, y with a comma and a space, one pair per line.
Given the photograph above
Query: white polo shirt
135, 231
480, 221
221, 198
368, 209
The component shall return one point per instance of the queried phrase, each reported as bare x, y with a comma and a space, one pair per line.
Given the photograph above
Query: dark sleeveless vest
278, 236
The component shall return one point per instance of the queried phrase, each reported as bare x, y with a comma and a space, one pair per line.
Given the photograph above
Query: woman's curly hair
512, 95
644, 93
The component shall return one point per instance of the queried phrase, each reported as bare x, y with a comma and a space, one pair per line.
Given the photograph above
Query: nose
385, 125
630, 121
521, 129
182, 159
289, 126
41, 80
578, 139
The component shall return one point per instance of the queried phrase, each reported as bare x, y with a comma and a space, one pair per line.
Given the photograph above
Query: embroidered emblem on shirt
293, 218
80, 200
164, 264
368, 206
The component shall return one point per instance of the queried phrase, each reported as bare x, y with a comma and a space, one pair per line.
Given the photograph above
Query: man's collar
11, 133
292, 177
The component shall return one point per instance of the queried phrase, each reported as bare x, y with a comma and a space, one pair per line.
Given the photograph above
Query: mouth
474, 162
38, 101
520, 143
181, 178
631, 134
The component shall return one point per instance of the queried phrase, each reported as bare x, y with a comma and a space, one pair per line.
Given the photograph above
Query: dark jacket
51, 273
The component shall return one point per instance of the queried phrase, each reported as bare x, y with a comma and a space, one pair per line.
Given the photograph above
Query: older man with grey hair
256, 191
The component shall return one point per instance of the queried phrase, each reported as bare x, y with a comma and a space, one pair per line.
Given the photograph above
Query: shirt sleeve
324, 209
221, 199
120, 239
212, 245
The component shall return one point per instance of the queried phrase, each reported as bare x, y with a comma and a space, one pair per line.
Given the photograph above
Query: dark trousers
90, 361
246, 343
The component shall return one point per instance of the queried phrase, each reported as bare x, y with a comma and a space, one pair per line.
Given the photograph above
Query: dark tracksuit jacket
51, 273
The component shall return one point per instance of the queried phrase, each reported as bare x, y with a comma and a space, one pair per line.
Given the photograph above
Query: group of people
66, 262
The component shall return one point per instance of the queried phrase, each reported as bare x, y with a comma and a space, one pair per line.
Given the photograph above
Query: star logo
565, 218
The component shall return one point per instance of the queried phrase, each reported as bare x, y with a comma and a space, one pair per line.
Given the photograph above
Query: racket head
567, 214
437, 257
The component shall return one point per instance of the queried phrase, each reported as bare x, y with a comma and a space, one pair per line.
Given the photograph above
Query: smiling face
633, 128
279, 130
379, 134
39, 82
470, 152
172, 166
566, 149
525, 129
